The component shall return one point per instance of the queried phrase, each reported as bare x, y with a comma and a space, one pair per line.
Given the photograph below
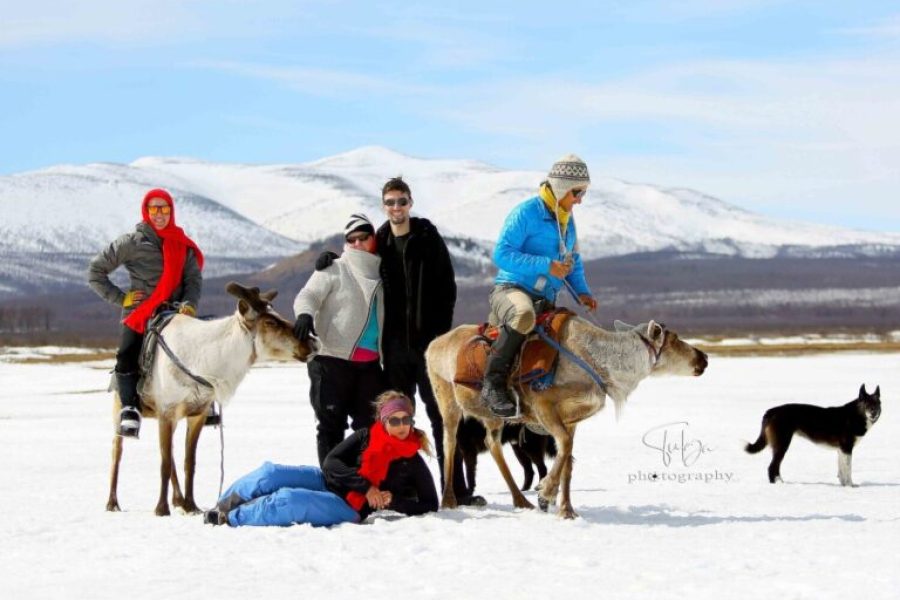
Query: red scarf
383, 449
175, 245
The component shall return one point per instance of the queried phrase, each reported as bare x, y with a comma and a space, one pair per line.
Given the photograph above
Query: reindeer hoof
190, 508
113, 507
567, 513
162, 511
520, 501
449, 504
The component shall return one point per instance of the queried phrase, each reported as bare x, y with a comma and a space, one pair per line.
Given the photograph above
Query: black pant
406, 371
341, 389
129, 353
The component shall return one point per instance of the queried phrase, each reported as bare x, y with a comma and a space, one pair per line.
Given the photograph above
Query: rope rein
573, 357
585, 312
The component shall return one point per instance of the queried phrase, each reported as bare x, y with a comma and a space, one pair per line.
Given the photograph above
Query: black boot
130, 415
215, 517
496, 393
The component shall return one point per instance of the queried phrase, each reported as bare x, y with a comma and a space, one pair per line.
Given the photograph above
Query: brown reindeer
220, 351
622, 359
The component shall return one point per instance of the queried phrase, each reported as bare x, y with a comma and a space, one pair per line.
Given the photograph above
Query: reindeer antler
258, 302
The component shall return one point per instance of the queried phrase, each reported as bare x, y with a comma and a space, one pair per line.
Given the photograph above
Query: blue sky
791, 109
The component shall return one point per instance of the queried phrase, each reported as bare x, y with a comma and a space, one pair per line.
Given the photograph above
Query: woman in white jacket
345, 302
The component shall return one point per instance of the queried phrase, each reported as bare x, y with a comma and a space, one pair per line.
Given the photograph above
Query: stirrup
213, 418
129, 422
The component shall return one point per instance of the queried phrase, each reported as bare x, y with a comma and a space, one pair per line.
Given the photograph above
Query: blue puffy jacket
528, 242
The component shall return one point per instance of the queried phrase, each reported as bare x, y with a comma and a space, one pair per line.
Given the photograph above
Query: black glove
325, 259
303, 327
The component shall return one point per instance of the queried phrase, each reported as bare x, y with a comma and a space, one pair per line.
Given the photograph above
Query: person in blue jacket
375, 468
536, 255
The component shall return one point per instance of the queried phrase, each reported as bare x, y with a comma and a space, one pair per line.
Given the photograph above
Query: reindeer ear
621, 326
654, 330
269, 296
243, 307
236, 289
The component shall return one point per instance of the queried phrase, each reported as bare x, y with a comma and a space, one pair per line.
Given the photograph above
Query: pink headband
397, 404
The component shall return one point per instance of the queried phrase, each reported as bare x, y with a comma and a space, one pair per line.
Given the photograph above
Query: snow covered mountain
245, 216
469, 199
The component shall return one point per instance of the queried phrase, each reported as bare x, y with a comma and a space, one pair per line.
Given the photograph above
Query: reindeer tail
761, 442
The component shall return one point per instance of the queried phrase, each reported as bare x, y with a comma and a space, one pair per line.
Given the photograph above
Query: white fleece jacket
340, 299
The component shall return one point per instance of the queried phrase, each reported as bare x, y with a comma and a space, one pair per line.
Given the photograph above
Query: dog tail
761, 442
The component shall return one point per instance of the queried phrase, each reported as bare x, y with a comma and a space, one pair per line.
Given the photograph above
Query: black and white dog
838, 426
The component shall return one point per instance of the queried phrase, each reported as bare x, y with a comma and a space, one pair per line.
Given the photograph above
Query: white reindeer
220, 351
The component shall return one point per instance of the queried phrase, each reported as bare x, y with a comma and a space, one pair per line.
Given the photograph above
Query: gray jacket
340, 299
140, 252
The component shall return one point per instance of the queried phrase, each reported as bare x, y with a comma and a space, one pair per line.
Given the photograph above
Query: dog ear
654, 330
877, 393
862, 391
621, 326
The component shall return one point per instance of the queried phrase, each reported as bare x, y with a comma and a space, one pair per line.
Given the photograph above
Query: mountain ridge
249, 215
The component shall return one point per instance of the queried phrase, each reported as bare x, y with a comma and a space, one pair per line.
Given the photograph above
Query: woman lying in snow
373, 469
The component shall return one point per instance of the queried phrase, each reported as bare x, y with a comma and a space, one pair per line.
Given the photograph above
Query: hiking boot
130, 415
215, 517
129, 422
495, 392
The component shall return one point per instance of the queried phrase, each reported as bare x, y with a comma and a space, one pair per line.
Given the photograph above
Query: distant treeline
25, 319
694, 295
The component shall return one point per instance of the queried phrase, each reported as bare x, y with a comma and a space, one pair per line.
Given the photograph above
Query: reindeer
220, 351
621, 359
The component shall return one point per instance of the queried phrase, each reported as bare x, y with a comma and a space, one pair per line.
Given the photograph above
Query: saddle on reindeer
537, 360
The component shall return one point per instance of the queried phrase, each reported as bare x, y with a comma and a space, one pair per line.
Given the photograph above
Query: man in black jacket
419, 297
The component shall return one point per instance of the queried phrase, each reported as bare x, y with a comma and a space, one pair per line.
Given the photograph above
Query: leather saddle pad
536, 358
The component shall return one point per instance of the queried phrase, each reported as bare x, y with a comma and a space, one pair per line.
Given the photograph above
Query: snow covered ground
711, 528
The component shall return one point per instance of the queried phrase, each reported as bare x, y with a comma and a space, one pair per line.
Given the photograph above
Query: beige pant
512, 307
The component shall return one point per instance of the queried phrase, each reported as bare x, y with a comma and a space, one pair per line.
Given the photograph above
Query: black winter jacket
419, 287
407, 479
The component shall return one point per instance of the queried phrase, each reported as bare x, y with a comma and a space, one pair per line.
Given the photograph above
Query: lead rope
568, 258
221, 449
573, 357
578, 303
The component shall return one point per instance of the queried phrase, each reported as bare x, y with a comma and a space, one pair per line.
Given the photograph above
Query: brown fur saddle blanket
537, 360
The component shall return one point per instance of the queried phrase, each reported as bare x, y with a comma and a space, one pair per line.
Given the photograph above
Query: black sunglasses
398, 421
399, 202
360, 237
579, 193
